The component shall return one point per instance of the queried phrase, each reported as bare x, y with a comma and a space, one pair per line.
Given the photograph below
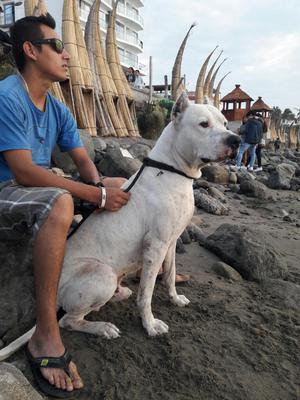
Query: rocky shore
239, 337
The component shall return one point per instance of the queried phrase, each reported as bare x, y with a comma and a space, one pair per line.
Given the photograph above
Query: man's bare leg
47, 259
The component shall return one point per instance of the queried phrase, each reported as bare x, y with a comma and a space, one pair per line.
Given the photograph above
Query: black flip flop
50, 362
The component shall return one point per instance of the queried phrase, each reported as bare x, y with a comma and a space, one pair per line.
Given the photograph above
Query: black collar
148, 162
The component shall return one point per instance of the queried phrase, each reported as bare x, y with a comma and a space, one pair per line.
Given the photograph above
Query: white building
129, 23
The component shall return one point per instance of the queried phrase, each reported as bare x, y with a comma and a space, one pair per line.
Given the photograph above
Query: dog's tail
16, 344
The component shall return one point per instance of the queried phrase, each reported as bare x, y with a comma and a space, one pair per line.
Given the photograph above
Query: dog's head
201, 133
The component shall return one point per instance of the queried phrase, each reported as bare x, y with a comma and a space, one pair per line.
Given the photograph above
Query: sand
235, 341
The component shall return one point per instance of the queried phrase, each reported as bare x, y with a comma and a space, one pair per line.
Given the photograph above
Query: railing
128, 60
130, 14
129, 39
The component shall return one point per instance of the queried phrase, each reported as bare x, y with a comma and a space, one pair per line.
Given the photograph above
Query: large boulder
281, 177
14, 385
248, 251
117, 162
63, 161
216, 173
140, 150
253, 188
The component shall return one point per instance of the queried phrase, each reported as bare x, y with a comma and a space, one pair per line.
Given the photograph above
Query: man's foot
59, 378
250, 169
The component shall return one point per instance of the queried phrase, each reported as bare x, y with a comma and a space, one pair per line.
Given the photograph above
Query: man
33, 199
252, 132
277, 144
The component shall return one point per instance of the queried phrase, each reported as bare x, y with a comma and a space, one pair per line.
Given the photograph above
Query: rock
200, 183
196, 233
113, 163
288, 218
99, 144
234, 188
226, 271
17, 312
297, 173
140, 150
185, 237
281, 178
295, 184
60, 172
216, 173
256, 189
14, 385
233, 178
64, 161
217, 194
209, 204
180, 246
247, 250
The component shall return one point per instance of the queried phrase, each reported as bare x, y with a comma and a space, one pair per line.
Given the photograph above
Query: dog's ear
180, 106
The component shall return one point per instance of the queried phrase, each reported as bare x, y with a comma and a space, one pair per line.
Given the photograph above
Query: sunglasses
56, 44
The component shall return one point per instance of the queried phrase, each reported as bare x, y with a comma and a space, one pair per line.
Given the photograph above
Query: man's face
51, 64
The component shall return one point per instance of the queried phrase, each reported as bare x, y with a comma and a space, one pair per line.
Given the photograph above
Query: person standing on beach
253, 132
33, 200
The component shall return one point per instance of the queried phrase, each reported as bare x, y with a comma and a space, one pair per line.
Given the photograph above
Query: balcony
130, 40
131, 16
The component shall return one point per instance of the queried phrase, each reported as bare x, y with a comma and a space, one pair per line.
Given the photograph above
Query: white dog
144, 232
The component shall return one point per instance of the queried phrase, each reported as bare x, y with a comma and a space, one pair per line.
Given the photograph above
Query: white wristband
103, 198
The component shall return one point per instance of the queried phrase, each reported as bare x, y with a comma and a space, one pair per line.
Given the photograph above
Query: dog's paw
108, 330
180, 300
157, 327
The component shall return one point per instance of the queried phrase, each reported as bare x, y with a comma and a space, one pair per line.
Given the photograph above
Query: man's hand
115, 198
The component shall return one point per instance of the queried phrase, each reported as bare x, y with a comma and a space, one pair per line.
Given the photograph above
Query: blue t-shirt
24, 127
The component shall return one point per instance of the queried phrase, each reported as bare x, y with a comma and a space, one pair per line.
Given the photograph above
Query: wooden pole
166, 87
150, 80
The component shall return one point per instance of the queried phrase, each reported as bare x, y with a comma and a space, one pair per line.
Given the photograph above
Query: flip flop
51, 362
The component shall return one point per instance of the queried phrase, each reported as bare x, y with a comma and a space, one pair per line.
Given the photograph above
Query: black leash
147, 162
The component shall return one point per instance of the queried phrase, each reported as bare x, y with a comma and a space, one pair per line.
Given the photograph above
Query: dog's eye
204, 124
225, 124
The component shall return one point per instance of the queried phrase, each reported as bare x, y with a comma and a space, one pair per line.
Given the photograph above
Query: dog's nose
233, 141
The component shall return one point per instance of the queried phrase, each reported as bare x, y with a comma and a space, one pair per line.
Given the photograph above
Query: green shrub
151, 121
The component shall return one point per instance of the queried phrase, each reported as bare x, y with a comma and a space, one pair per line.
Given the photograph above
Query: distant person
260, 146
277, 144
253, 132
138, 82
130, 75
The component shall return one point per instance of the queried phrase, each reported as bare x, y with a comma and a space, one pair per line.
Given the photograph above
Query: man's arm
27, 173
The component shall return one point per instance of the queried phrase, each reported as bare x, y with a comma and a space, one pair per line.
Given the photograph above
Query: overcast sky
259, 38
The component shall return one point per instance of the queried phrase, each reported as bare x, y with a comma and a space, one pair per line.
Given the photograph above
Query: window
8, 14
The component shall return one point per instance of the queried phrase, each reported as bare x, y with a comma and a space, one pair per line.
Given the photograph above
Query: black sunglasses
56, 44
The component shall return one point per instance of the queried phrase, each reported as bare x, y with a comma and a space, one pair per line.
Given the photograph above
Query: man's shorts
23, 210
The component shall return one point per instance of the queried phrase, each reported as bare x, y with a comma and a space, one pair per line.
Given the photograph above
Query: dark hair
28, 29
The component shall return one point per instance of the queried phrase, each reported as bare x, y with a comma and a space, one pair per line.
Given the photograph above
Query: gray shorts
23, 210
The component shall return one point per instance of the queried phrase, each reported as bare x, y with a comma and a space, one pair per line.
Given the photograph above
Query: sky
259, 38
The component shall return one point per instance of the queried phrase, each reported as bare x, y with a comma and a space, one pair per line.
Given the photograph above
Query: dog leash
147, 162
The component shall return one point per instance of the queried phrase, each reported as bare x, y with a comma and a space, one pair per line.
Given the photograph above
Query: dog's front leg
152, 261
169, 268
